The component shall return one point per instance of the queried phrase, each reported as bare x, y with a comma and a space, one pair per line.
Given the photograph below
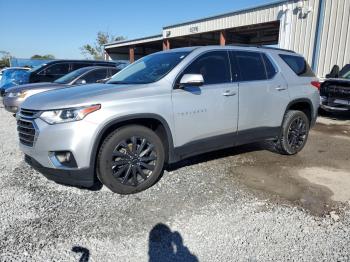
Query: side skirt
225, 141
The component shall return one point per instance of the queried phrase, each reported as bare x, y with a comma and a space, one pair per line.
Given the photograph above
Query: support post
132, 54
166, 44
222, 38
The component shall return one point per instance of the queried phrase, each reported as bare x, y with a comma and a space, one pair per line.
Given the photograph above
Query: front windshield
149, 69
66, 79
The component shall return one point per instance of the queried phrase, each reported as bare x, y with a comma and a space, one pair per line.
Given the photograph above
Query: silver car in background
15, 96
166, 107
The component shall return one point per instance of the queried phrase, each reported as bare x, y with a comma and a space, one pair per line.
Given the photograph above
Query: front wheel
294, 133
130, 160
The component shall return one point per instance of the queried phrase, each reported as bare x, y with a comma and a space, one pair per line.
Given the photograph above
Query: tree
43, 57
96, 50
5, 59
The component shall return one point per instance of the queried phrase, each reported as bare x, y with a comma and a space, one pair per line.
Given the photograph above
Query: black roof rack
262, 46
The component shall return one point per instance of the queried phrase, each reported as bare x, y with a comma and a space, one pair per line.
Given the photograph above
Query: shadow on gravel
165, 245
85, 253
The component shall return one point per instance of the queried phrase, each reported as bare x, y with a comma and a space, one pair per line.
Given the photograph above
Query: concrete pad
337, 180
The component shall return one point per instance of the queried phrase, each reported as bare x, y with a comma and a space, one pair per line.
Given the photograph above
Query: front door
207, 116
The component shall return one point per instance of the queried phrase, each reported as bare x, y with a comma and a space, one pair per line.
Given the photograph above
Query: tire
130, 160
294, 133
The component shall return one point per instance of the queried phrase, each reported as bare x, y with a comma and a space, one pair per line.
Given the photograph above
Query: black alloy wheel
130, 159
133, 161
297, 133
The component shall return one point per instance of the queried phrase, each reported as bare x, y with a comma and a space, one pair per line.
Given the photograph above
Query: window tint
57, 69
76, 66
251, 66
213, 66
298, 65
95, 75
112, 71
270, 69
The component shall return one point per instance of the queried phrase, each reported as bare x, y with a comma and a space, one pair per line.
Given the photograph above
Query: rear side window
76, 66
298, 65
213, 66
251, 66
270, 69
57, 69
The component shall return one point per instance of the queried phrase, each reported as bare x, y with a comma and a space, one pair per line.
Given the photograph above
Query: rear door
263, 94
208, 111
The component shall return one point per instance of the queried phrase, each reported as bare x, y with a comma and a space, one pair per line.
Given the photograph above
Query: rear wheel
131, 159
294, 134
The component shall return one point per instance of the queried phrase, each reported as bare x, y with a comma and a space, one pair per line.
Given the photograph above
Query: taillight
316, 84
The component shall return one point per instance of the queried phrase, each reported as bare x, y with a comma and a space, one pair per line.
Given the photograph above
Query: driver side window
213, 66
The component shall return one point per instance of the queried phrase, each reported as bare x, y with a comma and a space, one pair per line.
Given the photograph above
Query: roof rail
262, 46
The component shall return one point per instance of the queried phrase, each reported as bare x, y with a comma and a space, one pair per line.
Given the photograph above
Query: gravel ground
201, 210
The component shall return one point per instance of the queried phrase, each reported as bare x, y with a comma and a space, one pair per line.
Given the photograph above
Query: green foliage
5, 59
43, 57
96, 51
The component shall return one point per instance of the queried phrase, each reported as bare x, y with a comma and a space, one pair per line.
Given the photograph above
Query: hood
77, 96
35, 86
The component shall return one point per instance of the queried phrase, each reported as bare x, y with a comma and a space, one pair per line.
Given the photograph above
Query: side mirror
191, 80
80, 82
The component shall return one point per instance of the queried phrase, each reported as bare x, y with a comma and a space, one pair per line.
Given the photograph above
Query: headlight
68, 115
22, 94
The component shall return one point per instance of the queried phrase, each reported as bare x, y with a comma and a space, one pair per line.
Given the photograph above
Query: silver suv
165, 107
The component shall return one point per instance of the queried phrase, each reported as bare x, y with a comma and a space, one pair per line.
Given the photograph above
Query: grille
27, 132
28, 113
336, 91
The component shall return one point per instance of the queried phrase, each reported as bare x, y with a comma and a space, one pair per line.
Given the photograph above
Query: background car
53, 70
11, 77
50, 71
15, 96
335, 90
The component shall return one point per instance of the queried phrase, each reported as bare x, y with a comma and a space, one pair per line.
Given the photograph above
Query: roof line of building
134, 40
273, 3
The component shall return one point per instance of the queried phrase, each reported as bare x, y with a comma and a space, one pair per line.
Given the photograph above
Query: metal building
317, 29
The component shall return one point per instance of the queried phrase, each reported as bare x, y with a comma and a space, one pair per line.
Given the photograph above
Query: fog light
63, 158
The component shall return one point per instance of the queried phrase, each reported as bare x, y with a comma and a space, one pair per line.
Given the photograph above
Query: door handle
229, 93
281, 88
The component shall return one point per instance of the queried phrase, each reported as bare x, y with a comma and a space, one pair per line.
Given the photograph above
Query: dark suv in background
53, 70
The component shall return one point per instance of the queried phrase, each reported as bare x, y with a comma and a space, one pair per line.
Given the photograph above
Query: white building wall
298, 27
335, 37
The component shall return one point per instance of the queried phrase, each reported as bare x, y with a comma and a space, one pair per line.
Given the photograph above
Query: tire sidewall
104, 170
290, 117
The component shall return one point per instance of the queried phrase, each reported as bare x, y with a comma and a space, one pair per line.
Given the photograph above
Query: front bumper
76, 137
332, 105
82, 177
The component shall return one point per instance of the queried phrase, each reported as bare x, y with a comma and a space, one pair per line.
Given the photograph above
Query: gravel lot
242, 204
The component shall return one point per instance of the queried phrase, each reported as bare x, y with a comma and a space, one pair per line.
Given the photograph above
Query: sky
61, 27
